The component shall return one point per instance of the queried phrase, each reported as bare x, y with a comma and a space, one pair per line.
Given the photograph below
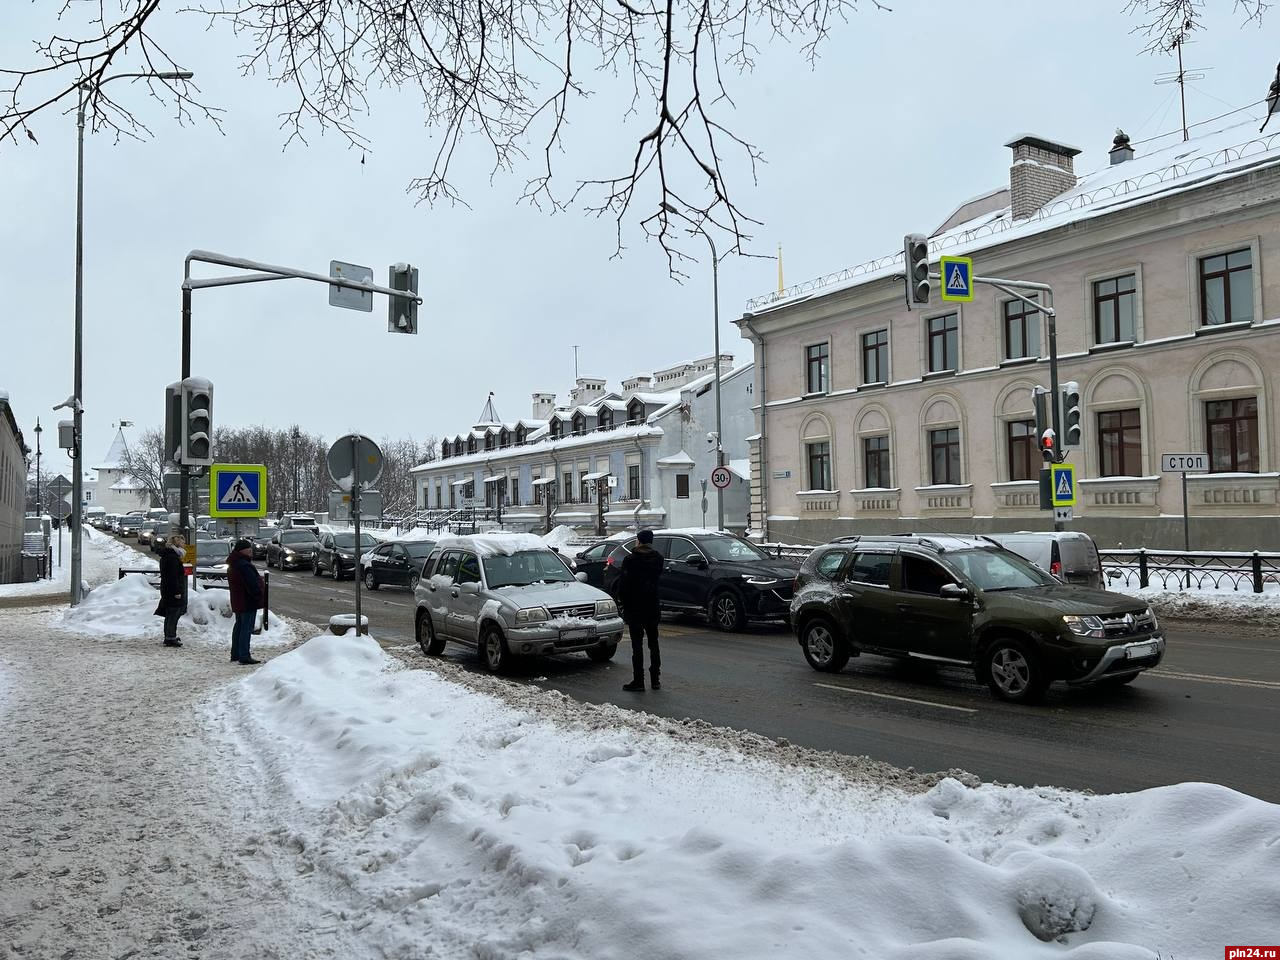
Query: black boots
635, 686
174, 642
654, 682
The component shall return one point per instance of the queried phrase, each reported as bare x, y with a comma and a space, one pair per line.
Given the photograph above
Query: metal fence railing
1191, 570
205, 580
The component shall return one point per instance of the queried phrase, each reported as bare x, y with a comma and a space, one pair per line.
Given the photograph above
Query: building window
1114, 304
579, 424
555, 428
819, 457
944, 343
515, 490
1120, 443
566, 495
682, 486
1021, 330
875, 357
818, 369
944, 455
1226, 288
635, 412
471, 444
1024, 455
521, 434
875, 458
586, 491
633, 481
605, 419
1232, 426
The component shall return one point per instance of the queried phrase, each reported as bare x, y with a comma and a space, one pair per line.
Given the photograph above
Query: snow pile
125, 610
1211, 603
559, 537
101, 557
436, 821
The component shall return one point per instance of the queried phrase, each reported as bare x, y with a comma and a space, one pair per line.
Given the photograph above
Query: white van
1069, 555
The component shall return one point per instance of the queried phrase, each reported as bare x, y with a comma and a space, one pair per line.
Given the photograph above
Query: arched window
1228, 415
504, 437
941, 441
556, 429
604, 420
471, 444
579, 424
457, 447
522, 434
445, 448
816, 453
635, 411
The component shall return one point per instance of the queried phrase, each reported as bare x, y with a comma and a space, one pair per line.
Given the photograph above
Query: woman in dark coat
173, 589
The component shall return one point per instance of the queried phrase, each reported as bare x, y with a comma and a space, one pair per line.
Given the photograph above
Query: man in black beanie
246, 597
638, 591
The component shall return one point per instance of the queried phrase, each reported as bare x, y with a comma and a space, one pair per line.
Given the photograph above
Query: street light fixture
39, 430
77, 479
715, 298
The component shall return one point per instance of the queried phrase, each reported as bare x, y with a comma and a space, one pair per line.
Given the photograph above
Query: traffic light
916, 256
1044, 420
172, 422
1071, 414
195, 448
402, 312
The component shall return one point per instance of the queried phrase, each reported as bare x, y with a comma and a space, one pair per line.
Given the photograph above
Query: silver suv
509, 596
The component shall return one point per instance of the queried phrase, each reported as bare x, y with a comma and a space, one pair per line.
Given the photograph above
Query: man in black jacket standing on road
638, 591
173, 589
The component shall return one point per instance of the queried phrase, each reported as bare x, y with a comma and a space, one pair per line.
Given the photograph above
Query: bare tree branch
1167, 23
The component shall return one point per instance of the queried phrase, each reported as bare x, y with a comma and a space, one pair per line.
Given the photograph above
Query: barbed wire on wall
1176, 171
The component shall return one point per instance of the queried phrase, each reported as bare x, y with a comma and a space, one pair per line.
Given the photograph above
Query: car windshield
348, 540
730, 549
525, 567
298, 536
998, 570
420, 549
212, 551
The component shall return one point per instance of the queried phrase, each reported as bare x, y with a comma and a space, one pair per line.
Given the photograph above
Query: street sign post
1184, 463
957, 278
1062, 485
355, 461
1062, 515
721, 477
350, 298
238, 490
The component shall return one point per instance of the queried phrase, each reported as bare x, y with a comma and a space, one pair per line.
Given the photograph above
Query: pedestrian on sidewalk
173, 589
246, 598
638, 591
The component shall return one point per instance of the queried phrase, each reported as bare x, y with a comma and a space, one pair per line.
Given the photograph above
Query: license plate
1138, 650
582, 634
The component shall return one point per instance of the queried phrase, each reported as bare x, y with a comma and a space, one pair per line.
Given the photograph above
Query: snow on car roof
498, 544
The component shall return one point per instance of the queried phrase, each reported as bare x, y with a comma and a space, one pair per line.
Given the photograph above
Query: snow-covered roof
543, 447
116, 454
741, 467
680, 459
1163, 169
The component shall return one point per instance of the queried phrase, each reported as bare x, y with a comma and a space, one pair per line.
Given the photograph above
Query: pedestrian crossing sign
1062, 484
957, 278
238, 490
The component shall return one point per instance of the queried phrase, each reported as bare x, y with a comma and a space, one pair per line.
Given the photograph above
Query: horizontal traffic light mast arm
270, 271
1011, 287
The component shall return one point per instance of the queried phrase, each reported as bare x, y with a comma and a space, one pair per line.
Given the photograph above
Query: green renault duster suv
967, 601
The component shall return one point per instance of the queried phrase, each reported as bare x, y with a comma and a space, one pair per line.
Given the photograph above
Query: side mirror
694, 561
471, 587
953, 591
580, 577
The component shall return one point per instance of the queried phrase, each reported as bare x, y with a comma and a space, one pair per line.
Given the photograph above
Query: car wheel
493, 650
425, 632
337, 569
1013, 671
413, 581
370, 580
725, 611
603, 653
315, 569
823, 647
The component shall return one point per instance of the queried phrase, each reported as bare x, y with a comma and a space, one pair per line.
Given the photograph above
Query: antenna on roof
575, 363
1181, 78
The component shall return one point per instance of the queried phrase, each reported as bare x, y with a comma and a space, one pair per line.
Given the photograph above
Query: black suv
720, 575
967, 601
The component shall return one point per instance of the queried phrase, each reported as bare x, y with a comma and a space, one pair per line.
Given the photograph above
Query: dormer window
490, 440
457, 447
445, 448
635, 412
522, 434
557, 431
579, 424
471, 444
605, 419
504, 438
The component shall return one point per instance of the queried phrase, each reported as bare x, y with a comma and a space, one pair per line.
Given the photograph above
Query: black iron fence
1191, 570
204, 580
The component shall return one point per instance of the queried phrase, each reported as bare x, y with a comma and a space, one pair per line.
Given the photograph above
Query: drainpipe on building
762, 370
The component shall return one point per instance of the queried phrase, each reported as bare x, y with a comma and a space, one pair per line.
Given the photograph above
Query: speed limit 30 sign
721, 477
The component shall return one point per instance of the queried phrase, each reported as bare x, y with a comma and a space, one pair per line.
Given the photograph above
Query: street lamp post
39, 430
715, 301
77, 478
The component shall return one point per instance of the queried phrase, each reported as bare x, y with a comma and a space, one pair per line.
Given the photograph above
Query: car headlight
1152, 614
532, 615
760, 581
1086, 626
606, 608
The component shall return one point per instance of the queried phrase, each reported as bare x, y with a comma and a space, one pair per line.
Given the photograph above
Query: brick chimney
544, 405
1041, 170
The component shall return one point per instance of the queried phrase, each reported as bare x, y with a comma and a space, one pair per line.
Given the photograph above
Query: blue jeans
240, 634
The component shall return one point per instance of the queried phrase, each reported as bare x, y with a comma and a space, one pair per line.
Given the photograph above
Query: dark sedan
337, 553
591, 561
292, 549
396, 562
716, 574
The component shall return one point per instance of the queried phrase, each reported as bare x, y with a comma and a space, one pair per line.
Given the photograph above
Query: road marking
889, 696
1209, 678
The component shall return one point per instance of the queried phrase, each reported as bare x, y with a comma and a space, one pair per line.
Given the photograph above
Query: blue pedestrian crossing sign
957, 278
1062, 484
238, 490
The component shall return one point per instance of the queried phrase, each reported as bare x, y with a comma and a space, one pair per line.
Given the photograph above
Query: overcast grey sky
904, 117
